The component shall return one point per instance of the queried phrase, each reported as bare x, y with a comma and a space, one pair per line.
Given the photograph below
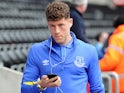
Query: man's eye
61, 25
51, 26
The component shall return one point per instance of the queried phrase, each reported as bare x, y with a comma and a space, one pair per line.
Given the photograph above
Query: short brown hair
57, 10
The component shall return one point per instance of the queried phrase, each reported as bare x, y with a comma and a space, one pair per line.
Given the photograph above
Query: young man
64, 55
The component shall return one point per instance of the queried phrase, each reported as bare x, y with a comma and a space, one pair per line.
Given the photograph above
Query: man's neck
68, 40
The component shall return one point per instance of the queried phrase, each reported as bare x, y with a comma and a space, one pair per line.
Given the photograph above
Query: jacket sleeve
96, 85
112, 55
30, 75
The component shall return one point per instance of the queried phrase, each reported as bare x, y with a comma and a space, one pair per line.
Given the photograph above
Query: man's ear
71, 22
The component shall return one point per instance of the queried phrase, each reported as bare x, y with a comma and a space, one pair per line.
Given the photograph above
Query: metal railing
107, 80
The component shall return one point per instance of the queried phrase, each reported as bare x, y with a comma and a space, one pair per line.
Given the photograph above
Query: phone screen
51, 76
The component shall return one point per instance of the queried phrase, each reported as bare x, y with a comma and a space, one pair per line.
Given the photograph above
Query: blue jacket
75, 63
78, 26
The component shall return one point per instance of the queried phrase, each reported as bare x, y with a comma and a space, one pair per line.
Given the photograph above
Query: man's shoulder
116, 37
39, 44
86, 45
73, 13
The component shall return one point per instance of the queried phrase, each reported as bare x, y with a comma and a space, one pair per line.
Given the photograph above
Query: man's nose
57, 30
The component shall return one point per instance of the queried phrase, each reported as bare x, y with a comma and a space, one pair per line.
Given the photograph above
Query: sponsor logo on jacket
45, 62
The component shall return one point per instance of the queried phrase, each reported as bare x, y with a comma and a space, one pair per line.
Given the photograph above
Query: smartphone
51, 75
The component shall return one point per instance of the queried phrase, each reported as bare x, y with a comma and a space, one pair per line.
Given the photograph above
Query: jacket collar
54, 47
71, 44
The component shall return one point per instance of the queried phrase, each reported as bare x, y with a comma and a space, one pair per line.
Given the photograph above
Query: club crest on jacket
79, 61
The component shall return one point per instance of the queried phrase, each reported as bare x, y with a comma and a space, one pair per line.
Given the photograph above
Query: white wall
10, 80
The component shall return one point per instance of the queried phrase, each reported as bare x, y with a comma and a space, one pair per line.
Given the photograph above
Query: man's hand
46, 82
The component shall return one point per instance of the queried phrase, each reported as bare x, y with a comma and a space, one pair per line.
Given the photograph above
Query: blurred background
23, 23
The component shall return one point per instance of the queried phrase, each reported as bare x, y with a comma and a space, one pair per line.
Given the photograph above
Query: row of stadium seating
35, 35
11, 54
22, 23
23, 36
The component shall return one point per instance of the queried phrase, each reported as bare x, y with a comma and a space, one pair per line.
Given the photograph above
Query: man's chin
59, 41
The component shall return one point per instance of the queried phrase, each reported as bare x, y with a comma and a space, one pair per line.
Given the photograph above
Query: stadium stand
22, 23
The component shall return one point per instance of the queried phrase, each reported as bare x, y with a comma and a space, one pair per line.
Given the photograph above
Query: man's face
82, 8
60, 30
